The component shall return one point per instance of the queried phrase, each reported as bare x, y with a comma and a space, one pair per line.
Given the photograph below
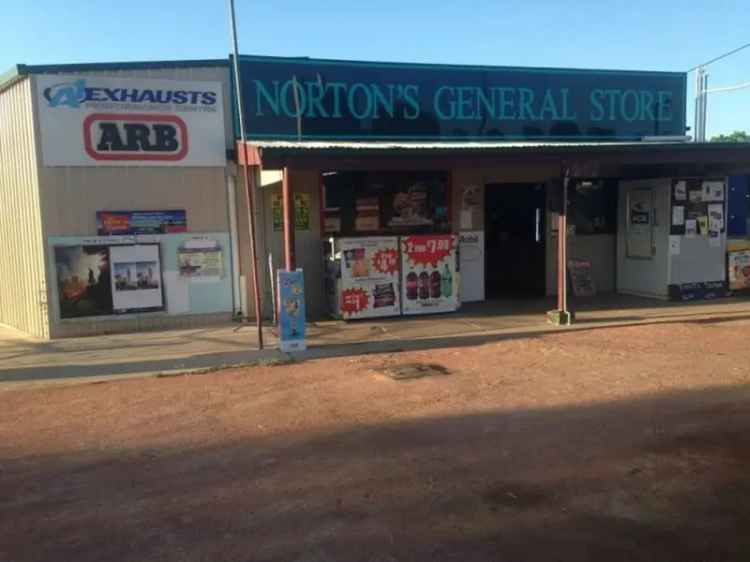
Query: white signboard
106, 121
471, 257
135, 277
369, 277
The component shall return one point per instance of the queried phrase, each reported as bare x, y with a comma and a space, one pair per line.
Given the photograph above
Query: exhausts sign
105, 121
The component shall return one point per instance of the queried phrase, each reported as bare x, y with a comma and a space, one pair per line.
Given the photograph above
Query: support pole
246, 171
287, 196
562, 316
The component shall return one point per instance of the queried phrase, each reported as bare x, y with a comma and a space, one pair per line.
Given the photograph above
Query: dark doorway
515, 239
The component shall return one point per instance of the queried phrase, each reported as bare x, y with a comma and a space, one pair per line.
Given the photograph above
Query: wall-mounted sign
136, 278
110, 223
291, 286
325, 99
107, 121
83, 280
201, 260
301, 211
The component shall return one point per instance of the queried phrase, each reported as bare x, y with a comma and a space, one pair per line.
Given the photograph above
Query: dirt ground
611, 444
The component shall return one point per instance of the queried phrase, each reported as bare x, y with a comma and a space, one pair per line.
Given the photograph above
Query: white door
643, 233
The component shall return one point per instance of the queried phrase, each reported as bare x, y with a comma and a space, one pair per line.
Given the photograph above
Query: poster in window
201, 260
640, 228
136, 278
83, 281
739, 270
301, 211
713, 191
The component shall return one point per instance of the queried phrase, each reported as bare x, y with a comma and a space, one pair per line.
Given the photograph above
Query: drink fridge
363, 277
429, 274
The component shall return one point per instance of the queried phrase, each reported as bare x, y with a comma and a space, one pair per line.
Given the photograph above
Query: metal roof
20, 71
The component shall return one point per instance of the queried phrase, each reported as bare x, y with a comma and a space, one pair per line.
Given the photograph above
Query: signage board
121, 223
291, 287
308, 99
109, 121
739, 270
369, 277
430, 276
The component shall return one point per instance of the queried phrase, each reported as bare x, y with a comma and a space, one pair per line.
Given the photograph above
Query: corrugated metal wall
23, 291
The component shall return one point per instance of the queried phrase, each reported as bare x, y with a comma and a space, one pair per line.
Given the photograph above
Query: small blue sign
291, 293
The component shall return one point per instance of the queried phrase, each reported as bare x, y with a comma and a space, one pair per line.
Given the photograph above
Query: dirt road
627, 444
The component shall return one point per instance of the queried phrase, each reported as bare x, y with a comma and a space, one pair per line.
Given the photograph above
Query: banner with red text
369, 277
430, 278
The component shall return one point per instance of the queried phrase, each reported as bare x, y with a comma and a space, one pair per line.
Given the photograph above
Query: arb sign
104, 121
123, 136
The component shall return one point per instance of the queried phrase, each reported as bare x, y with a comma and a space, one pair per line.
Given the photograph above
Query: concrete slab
27, 362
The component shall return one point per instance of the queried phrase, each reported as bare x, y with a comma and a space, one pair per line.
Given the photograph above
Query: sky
633, 34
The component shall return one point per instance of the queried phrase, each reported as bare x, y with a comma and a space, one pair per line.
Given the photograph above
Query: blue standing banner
291, 287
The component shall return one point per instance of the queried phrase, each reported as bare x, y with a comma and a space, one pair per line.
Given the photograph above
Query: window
593, 207
362, 203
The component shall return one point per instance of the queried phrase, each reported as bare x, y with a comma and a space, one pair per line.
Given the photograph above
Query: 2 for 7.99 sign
427, 250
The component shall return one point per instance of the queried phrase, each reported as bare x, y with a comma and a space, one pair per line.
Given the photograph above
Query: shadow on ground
661, 478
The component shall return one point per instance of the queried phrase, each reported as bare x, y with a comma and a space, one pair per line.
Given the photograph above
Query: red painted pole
253, 247
287, 196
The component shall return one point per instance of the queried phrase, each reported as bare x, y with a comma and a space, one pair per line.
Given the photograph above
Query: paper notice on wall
713, 191
466, 219
703, 226
675, 245
691, 228
678, 215
680, 191
716, 215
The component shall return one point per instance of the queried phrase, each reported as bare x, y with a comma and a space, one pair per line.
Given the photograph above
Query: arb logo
135, 136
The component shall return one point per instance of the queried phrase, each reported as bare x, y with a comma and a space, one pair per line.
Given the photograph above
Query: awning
585, 159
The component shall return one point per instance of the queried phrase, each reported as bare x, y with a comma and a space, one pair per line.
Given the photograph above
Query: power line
745, 46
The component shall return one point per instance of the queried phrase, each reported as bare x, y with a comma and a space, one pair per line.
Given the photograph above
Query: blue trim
430, 66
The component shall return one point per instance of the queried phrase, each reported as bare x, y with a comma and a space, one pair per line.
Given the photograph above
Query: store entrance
515, 239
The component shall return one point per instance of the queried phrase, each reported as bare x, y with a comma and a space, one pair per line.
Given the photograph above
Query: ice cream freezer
370, 277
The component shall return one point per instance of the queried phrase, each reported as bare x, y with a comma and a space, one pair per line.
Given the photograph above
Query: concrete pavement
27, 362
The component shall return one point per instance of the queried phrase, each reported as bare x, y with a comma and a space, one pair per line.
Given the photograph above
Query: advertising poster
429, 274
581, 277
114, 121
83, 281
291, 286
301, 211
739, 270
201, 260
136, 278
471, 257
369, 277
122, 223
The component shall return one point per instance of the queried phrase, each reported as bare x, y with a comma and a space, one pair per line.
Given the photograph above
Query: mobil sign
105, 121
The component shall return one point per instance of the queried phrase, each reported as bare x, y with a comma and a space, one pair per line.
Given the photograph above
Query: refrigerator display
369, 277
428, 263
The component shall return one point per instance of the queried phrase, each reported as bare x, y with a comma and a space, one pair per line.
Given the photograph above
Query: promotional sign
136, 278
369, 277
471, 258
312, 99
581, 277
430, 281
109, 223
83, 280
291, 287
108, 121
201, 260
301, 211
739, 270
